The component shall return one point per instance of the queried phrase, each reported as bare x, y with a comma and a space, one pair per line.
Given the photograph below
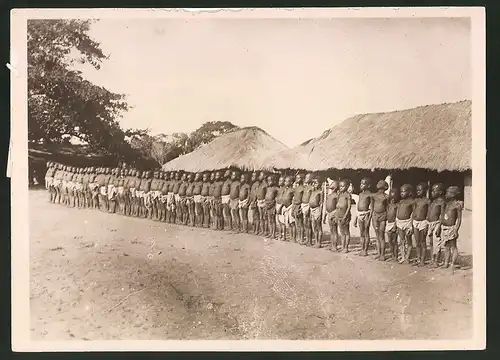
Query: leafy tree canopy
60, 101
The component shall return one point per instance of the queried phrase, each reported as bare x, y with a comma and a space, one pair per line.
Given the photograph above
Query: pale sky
293, 78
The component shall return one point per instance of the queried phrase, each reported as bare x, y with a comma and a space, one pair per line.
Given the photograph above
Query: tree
208, 132
60, 101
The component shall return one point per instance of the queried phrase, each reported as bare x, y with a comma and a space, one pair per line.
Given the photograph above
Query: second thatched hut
428, 143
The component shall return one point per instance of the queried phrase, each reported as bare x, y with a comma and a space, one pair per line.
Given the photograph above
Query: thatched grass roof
436, 137
245, 148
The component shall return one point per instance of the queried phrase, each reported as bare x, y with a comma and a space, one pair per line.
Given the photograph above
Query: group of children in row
288, 208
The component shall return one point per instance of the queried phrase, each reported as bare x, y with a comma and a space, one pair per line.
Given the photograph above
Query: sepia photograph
310, 177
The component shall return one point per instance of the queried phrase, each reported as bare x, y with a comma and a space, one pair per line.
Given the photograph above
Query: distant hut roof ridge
437, 137
245, 148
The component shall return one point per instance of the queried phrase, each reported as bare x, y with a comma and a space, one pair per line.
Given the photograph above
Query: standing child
217, 202
253, 212
404, 222
207, 198
270, 206
182, 206
390, 228
363, 217
280, 217
234, 195
379, 217
435, 213
316, 210
199, 200
331, 206
450, 225
263, 227
225, 198
190, 199
420, 223
306, 228
288, 194
343, 214
244, 202
297, 225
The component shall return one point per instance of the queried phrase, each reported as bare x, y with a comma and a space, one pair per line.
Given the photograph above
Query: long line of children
288, 208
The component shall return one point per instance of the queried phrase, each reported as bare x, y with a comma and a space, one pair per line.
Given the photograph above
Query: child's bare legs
362, 237
346, 237
318, 233
333, 234
402, 245
380, 231
423, 246
453, 252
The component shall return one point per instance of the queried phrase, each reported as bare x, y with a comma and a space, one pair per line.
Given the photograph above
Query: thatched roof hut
436, 137
245, 148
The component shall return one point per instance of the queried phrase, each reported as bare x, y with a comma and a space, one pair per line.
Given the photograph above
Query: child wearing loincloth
316, 209
435, 213
330, 208
253, 212
306, 229
263, 226
280, 217
243, 203
420, 223
270, 206
404, 222
234, 200
217, 201
296, 226
198, 199
450, 225
287, 209
343, 214
207, 199
190, 199
170, 207
364, 214
390, 228
225, 199
379, 217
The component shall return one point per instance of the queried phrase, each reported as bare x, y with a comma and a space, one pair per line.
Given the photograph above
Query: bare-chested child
103, 189
49, 180
153, 195
316, 210
280, 217
390, 227
179, 202
69, 185
212, 222
198, 200
287, 199
379, 217
262, 226
135, 184
207, 198
145, 196
79, 189
234, 195
182, 199
270, 206
306, 228
343, 214
363, 216
404, 222
435, 213
162, 200
330, 207
217, 202
57, 183
420, 223
297, 225
85, 187
127, 180
226, 198
94, 188
190, 199
171, 199
244, 202
113, 189
254, 181
450, 225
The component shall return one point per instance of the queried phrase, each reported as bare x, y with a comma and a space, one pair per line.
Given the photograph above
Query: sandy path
97, 276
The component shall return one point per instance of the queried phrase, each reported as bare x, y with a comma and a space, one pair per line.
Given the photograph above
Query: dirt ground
97, 276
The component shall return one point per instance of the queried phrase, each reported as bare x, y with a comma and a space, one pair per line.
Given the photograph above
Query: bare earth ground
97, 276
